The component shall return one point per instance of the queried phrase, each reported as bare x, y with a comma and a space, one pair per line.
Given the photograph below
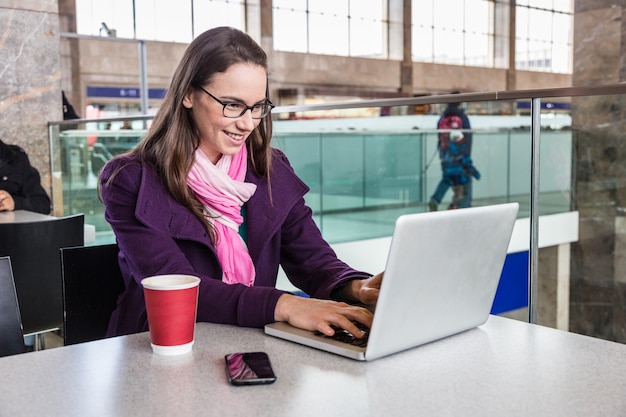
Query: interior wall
106, 62
30, 77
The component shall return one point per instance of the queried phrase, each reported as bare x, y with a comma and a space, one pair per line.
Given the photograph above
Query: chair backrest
11, 337
34, 251
92, 281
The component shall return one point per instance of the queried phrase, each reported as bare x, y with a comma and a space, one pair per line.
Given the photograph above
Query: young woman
205, 194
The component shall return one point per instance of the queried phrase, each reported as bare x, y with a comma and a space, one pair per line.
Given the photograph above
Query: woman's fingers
315, 314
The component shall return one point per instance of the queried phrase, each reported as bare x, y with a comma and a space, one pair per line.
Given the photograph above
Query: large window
105, 18
544, 32
464, 32
331, 27
459, 32
159, 20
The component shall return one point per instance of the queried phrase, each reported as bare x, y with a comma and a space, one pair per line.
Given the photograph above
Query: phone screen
249, 368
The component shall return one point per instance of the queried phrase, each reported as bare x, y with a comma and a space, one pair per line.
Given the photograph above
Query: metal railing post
533, 254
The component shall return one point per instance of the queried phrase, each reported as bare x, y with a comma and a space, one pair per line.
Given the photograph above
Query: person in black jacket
20, 183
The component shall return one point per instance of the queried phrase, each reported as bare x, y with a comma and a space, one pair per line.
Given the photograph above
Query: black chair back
34, 251
92, 282
11, 337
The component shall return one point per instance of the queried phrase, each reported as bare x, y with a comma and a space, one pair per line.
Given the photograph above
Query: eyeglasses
234, 110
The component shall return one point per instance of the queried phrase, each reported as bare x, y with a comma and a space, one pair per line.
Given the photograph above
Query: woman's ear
188, 98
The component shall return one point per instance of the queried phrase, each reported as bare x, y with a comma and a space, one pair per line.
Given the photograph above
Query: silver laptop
441, 278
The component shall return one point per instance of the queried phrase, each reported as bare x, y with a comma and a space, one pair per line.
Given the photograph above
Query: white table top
503, 368
23, 216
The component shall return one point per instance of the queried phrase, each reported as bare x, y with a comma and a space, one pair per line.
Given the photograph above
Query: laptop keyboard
345, 336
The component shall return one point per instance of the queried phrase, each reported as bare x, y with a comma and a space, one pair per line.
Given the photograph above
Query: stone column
30, 77
597, 295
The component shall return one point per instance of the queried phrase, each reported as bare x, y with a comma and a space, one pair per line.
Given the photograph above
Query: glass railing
79, 150
358, 168
368, 162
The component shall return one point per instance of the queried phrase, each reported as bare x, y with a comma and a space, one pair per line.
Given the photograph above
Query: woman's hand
6, 201
315, 314
364, 291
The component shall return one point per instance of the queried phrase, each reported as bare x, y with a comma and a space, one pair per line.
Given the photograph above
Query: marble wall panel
30, 74
598, 293
597, 46
45, 6
598, 310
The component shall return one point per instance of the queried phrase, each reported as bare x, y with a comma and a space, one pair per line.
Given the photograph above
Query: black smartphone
249, 368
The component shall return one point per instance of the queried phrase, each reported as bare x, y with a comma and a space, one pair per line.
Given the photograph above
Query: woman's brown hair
171, 142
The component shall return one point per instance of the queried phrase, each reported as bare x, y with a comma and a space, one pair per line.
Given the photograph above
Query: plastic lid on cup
170, 282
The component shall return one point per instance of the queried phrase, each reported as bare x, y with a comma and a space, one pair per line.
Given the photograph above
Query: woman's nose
246, 122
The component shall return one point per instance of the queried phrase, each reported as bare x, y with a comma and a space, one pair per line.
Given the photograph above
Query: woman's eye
234, 106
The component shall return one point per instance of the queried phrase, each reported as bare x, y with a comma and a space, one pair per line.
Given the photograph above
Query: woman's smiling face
220, 135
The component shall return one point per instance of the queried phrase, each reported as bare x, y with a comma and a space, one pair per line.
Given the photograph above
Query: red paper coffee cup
171, 304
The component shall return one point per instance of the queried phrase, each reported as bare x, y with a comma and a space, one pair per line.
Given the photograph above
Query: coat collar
265, 215
156, 208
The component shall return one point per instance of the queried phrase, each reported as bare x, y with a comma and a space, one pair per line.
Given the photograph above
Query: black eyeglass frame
268, 104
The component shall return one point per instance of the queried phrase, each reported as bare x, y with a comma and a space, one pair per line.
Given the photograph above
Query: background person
455, 148
20, 183
205, 194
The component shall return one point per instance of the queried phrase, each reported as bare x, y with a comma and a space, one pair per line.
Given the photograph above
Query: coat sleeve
306, 257
153, 248
32, 196
308, 260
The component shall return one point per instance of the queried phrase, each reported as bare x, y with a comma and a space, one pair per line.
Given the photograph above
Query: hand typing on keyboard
345, 336
321, 315
364, 291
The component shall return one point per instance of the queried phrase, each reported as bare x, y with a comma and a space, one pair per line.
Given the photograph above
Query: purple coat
157, 235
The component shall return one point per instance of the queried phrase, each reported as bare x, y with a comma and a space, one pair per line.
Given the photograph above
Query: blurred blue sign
94, 91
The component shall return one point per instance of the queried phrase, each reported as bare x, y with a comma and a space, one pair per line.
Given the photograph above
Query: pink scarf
221, 189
